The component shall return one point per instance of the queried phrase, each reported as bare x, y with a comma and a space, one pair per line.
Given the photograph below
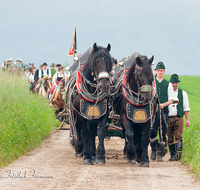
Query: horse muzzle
145, 93
104, 82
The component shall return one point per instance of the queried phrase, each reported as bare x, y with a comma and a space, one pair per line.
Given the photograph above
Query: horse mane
88, 67
144, 64
64, 81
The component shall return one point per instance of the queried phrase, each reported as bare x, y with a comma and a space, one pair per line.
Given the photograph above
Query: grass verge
191, 134
25, 119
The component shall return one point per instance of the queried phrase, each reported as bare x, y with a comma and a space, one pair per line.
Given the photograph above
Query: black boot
153, 149
178, 151
172, 152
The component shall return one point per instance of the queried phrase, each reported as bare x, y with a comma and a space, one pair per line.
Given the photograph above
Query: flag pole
73, 48
74, 40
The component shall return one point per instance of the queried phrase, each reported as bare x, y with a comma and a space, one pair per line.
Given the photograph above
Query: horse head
142, 75
100, 66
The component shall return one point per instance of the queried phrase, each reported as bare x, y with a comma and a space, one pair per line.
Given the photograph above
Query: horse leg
129, 135
101, 132
145, 142
78, 141
125, 144
92, 126
138, 142
86, 139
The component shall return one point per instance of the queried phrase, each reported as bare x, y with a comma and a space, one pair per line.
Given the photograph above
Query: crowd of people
35, 75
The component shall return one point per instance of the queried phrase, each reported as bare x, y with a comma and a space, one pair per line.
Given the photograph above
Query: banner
73, 47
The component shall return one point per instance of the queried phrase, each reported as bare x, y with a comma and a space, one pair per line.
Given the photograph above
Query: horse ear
95, 47
139, 62
151, 60
108, 47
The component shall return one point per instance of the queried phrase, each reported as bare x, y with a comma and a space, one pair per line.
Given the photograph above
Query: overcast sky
40, 31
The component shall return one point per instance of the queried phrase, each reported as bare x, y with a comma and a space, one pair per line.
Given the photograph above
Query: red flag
72, 50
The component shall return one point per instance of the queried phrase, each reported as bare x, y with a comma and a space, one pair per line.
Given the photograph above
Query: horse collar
85, 95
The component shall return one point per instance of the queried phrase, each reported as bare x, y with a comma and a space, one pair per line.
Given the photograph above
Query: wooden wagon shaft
64, 128
115, 116
114, 128
64, 114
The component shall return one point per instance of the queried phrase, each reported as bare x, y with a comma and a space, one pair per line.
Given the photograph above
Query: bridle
143, 88
101, 75
135, 97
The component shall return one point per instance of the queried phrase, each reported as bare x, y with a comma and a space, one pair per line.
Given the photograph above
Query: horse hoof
131, 161
100, 161
79, 155
144, 164
93, 158
88, 161
138, 160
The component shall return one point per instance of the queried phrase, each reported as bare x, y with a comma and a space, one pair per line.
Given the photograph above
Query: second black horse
136, 105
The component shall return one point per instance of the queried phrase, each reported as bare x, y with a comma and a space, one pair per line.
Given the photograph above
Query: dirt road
53, 165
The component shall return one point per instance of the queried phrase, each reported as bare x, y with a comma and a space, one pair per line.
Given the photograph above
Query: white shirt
58, 75
172, 108
28, 74
31, 78
44, 73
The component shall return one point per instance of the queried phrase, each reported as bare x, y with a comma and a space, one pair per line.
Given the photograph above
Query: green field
191, 135
25, 119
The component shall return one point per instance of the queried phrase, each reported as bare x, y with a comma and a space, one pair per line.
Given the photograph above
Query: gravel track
53, 165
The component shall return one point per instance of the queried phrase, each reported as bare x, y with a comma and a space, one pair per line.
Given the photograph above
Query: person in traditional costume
58, 64
32, 76
30, 69
164, 92
8, 63
177, 110
57, 78
36, 77
27, 74
19, 63
53, 71
44, 71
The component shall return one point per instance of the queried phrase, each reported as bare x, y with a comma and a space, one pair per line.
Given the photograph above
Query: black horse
89, 102
136, 106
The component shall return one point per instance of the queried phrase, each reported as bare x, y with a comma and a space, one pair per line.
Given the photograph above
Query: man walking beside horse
164, 90
177, 110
